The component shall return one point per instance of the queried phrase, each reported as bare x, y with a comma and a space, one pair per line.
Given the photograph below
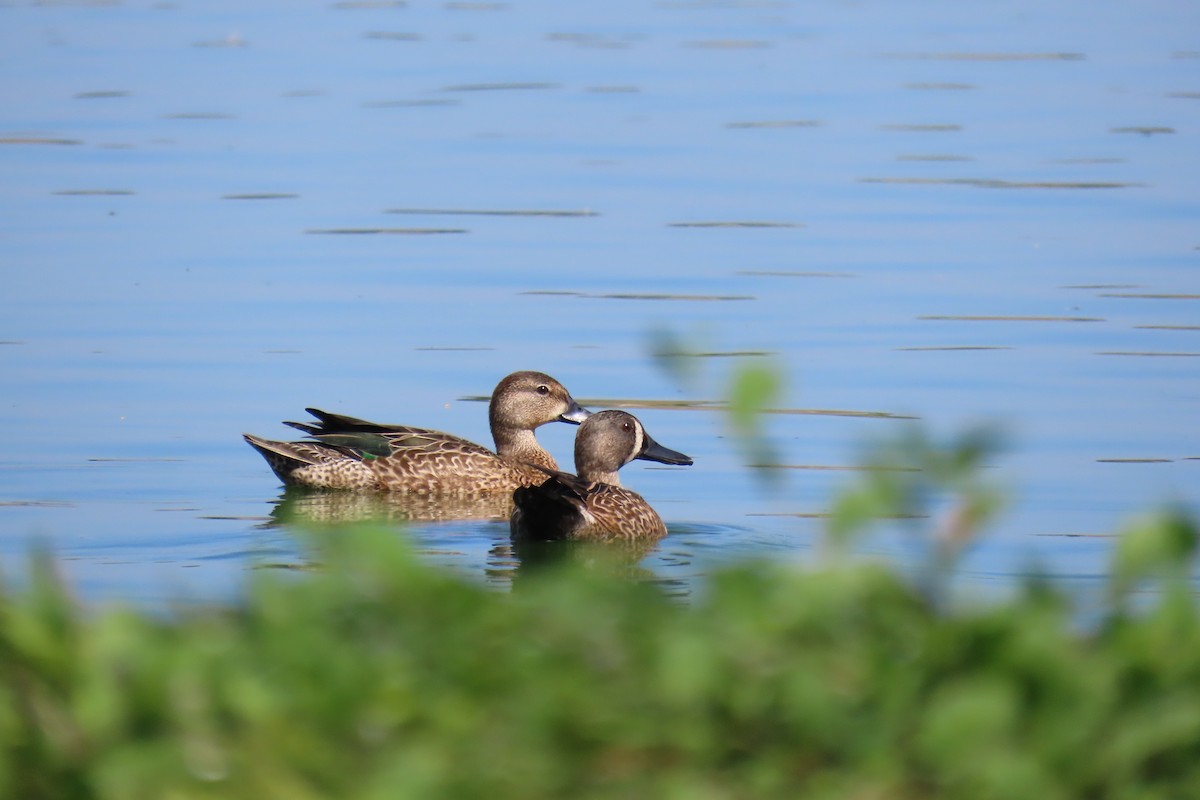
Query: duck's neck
592, 467
596, 476
522, 445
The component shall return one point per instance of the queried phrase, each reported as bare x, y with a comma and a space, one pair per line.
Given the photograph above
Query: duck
349, 453
592, 504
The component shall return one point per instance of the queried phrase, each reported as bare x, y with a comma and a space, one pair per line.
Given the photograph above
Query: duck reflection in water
301, 505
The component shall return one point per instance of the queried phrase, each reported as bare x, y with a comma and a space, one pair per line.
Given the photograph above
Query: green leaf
1161, 546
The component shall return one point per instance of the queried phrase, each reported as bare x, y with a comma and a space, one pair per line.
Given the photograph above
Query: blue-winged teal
348, 453
593, 504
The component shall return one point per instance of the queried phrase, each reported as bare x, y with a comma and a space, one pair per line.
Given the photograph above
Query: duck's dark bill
653, 451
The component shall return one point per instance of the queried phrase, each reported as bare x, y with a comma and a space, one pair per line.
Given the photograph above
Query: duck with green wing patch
349, 453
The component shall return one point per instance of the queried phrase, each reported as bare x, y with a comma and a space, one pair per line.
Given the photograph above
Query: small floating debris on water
626, 402
297, 567
710, 405
423, 103
635, 296
38, 140
1134, 460
993, 183
1080, 535
11, 341
791, 514
1005, 318
735, 224
102, 95
1102, 286
826, 515
690, 297
388, 231
1148, 354
261, 196
776, 123
1184, 95
393, 36
36, 504
608, 402
134, 460
839, 412
1152, 296
1144, 130
989, 56
836, 467
501, 87
93, 192
1168, 327
494, 212
933, 127
229, 517
951, 347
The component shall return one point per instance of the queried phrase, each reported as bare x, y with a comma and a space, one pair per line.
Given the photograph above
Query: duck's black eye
543, 389
625, 426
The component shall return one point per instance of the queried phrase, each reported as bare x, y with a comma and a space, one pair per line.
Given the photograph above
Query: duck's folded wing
378, 440
554, 510
328, 422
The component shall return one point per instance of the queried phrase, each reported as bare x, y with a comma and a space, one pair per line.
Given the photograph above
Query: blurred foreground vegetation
380, 676
377, 675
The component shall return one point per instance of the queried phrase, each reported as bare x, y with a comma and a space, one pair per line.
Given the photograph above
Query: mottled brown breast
619, 513
566, 507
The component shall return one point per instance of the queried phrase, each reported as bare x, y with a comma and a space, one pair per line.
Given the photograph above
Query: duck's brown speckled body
348, 453
592, 504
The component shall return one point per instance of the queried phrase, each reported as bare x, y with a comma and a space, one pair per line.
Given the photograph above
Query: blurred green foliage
913, 476
939, 490
377, 676
753, 386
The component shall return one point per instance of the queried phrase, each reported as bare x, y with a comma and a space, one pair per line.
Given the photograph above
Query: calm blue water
936, 176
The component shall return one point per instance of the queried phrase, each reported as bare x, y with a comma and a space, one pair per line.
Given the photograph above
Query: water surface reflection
214, 213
